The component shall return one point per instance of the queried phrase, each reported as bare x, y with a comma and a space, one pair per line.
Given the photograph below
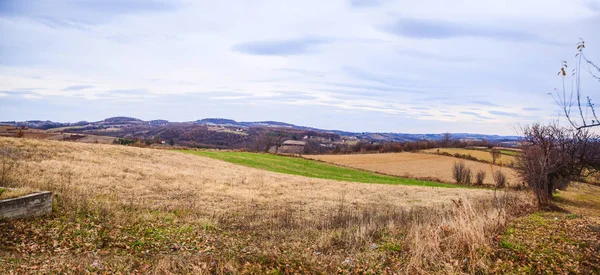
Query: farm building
289, 147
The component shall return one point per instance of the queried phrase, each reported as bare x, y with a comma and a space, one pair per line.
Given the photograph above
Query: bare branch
590, 66
591, 106
560, 97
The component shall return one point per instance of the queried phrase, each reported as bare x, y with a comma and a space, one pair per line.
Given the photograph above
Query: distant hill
364, 135
123, 121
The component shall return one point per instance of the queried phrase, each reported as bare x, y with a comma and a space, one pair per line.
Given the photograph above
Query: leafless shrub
555, 156
480, 177
461, 173
499, 179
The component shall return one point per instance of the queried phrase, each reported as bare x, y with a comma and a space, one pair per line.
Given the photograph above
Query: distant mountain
400, 137
218, 121
158, 122
121, 120
37, 124
130, 121
233, 123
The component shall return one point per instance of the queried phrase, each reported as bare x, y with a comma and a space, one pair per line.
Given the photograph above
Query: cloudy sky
426, 66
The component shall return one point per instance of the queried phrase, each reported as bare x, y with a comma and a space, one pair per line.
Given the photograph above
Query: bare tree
579, 111
496, 154
258, 140
446, 138
555, 155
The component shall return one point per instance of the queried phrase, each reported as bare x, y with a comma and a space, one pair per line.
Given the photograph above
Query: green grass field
311, 168
509, 153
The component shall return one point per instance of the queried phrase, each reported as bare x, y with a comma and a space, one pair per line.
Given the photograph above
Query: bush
554, 156
125, 141
480, 177
468, 176
461, 174
499, 179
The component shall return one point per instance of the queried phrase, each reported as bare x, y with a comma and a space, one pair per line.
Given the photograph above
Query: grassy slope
555, 242
310, 168
509, 153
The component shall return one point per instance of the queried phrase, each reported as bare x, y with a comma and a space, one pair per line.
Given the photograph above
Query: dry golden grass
478, 154
581, 198
159, 178
415, 165
237, 219
9, 193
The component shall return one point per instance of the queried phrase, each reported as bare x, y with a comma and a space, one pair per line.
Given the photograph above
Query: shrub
468, 176
125, 141
499, 179
480, 177
461, 174
554, 156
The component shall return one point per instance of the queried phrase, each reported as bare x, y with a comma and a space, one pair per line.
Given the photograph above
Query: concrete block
35, 204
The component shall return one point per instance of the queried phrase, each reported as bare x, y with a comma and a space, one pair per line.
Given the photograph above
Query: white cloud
338, 54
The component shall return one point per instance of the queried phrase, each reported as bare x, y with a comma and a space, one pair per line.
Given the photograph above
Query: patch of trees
395, 147
125, 141
261, 139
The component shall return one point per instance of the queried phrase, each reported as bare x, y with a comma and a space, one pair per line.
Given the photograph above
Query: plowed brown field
478, 154
414, 165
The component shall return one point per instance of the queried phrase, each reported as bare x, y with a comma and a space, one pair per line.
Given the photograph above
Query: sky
429, 66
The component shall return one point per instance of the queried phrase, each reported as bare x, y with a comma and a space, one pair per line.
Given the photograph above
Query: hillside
145, 210
229, 123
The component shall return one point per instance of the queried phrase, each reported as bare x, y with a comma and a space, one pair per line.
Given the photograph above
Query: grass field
414, 165
563, 241
509, 153
6, 193
310, 168
505, 159
121, 209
